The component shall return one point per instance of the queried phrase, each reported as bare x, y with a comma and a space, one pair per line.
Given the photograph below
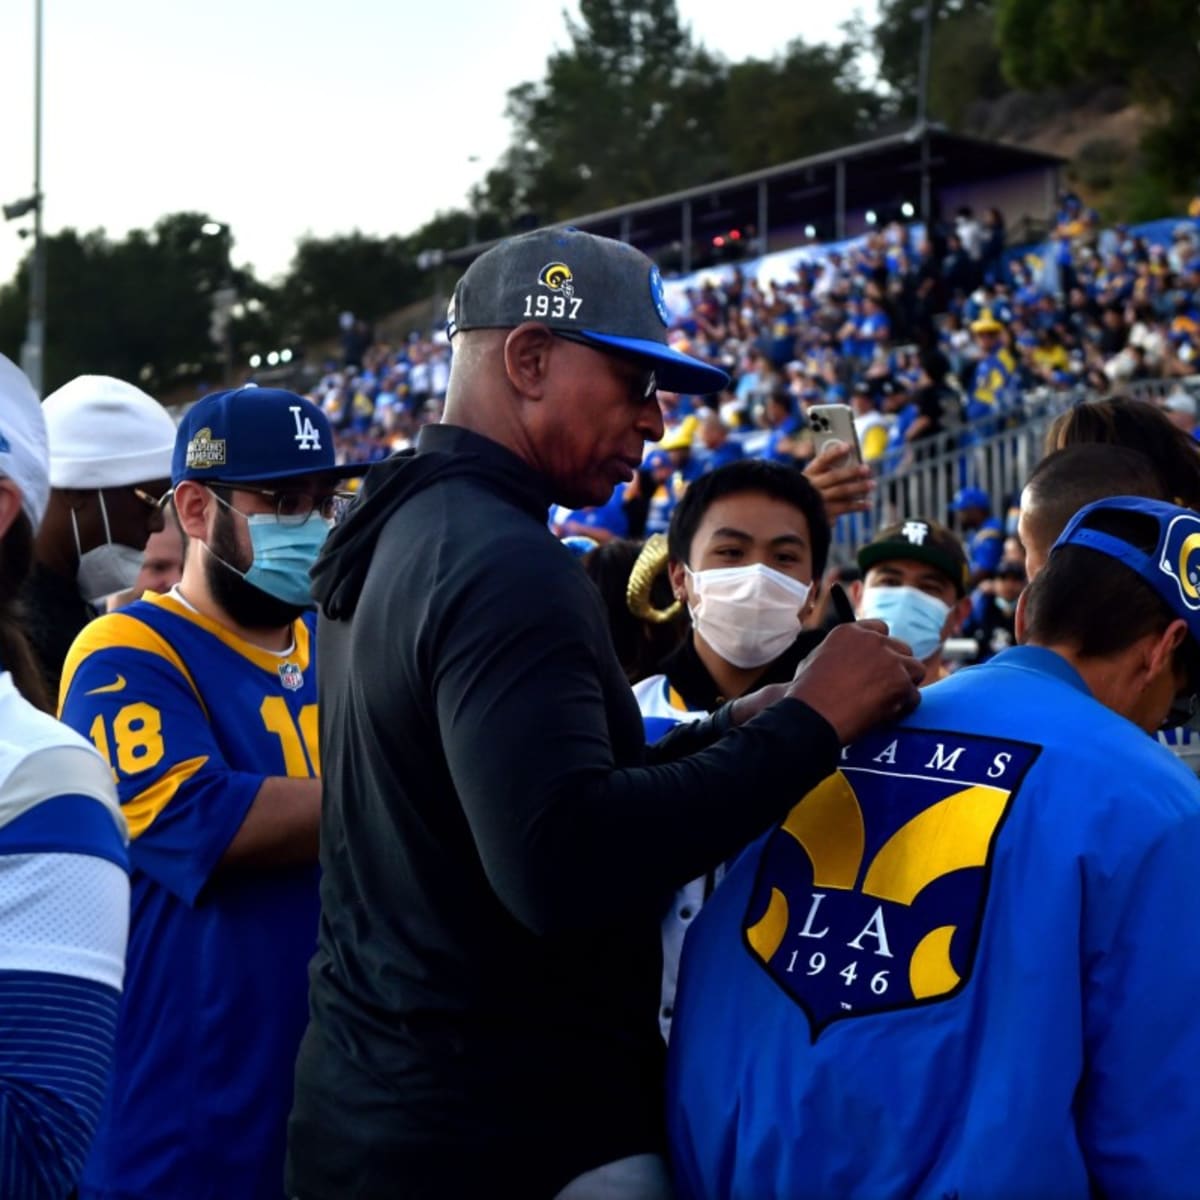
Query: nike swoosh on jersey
108, 687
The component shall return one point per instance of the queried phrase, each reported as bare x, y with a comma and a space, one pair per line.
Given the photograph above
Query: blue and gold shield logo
558, 278
869, 897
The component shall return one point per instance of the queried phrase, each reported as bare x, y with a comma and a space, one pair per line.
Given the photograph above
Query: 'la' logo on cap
307, 437
205, 451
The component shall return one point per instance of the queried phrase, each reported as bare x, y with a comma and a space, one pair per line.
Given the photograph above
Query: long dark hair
1137, 425
16, 654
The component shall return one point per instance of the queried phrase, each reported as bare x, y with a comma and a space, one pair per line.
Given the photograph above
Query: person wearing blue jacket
964, 965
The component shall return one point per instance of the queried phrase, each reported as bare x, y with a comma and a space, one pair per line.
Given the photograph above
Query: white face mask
109, 567
911, 615
748, 615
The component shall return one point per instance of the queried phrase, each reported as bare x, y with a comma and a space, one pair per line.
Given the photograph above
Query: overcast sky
283, 117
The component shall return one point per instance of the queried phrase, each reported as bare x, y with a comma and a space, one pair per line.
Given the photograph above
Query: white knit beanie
23, 456
106, 433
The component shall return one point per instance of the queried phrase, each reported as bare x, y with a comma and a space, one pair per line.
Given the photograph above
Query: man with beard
203, 700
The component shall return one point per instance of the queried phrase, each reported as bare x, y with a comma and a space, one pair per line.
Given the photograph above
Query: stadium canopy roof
834, 194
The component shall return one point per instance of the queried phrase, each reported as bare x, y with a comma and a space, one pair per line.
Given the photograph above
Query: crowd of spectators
924, 334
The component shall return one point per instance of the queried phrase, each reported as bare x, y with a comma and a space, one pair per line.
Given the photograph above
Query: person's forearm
280, 827
654, 828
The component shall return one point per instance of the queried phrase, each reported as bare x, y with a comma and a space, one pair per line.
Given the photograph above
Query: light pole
34, 349
473, 229
925, 15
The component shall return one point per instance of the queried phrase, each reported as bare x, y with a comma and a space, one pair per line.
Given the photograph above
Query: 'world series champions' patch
869, 897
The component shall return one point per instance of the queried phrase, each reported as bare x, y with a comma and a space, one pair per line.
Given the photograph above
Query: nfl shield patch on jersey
291, 676
870, 896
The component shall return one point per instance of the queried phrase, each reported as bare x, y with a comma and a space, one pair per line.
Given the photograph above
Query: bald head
1068, 480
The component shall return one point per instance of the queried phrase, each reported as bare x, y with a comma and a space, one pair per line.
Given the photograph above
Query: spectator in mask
162, 563
745, 545
204, 701
110, 459
915, 577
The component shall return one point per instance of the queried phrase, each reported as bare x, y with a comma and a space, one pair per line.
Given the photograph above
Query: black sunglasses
649, 389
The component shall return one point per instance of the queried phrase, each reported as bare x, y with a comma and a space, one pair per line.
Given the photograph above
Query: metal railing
995, 453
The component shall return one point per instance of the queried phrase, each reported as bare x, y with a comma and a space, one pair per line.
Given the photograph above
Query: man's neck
194, 591
731, 681
933, 667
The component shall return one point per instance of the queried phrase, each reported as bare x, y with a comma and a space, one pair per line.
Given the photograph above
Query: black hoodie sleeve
569, 836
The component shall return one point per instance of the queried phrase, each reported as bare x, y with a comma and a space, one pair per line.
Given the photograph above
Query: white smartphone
835, 423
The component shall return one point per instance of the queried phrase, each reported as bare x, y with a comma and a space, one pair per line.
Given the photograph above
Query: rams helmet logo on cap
1181, 558
558, 278
205, 451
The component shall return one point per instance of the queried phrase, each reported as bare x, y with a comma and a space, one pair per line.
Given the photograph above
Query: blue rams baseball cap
970, 498
1172, 569
254, 433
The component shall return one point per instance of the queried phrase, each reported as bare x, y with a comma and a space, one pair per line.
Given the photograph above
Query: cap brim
877, 552
676, 372
343, 471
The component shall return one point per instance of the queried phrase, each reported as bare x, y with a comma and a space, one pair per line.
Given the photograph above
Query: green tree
138, 308
368, 276
806, 100
624, 112
1149, 46
965, 61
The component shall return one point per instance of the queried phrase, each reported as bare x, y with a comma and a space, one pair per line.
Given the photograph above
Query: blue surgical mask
912, 616
283, 554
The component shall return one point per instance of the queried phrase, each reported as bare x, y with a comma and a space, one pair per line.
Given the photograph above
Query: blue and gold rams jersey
192, 720
956, 967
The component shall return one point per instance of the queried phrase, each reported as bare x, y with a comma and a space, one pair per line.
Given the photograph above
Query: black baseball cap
599, 291
919, 541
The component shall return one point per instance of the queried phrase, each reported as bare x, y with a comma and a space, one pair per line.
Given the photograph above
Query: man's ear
527, 351
1161, 653
677, 574
1019, 619
814, 598
958, 614
191, 508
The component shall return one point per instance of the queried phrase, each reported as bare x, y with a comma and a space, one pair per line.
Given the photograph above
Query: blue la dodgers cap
602, 292
1172, 568
254, 433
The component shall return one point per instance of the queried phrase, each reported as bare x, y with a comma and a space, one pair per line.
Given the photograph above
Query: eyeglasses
150, 502
295, 507
647, 389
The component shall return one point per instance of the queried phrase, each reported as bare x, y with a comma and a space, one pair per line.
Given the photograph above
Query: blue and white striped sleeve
64, 917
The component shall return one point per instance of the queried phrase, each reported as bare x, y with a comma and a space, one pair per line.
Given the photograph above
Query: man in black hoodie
497, 842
